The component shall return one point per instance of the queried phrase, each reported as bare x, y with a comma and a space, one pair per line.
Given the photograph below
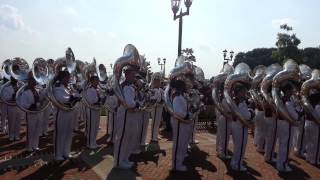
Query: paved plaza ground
202, 162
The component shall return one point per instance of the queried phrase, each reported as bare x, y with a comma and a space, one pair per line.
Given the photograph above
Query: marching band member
195, 111
45, 116
270, 133
93, 121
313, 133
126, 121
30, 99
3, 110
285, 130
64, 119
142, 119
45, 120
259, 130
239, 131
181, 129
14, 118
299, 131
112, 103
156, 112
223, 129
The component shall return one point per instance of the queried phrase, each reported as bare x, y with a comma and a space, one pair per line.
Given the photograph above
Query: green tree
188, 54
255, 57
287, 45
311, 57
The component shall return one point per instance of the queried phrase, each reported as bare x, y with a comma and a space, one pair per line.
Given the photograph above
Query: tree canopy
286, 48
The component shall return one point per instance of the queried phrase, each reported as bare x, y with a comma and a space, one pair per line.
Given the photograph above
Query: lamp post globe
188, 3
175, 5
225, 53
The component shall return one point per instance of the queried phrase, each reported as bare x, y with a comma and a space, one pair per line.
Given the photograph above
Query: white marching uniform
156, 114
312, 136
223, 130
270, 134
77, 113
63, 124
33, 119
299, 134
14, 114
284, 137
142, 120
4, 120
240, 137
194, 127
144, 123
93, 120
259, 130
126, 128
112, 103
46, 119
181, 133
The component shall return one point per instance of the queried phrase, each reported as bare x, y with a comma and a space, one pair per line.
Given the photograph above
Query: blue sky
101, 28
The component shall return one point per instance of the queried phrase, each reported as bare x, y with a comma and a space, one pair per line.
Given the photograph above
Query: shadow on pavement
121, 174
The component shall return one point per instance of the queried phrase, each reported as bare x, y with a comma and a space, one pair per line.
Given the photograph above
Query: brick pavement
202, 162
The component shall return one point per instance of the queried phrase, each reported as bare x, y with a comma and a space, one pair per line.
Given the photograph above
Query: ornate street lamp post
163, 64
175, 6
225, 58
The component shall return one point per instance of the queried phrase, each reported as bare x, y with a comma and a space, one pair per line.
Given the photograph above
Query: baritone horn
130, 57
65, 63
313, 83
289, 73
40, 72
241, 75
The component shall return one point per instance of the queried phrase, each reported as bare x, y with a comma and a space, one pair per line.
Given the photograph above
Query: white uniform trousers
77, 112
92, 127
111, 124
312, 136
45, 120
33, 130
3, 109
144, 128
284, 138
259, 131
83, 114
181, 138
194, 127
240, 137
63, 133
156, 114
270, 138
223, 134
125, 135
14, 122
298, 137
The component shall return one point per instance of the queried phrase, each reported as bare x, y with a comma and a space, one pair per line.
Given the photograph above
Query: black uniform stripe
122, 135
194, 123
108, 122
154, 121
112, 131
56, 133
242, 137
274, 139
90, 121
28, 125
317, 153
226, 138
288, 146
177, 146
142, 128
302, 136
